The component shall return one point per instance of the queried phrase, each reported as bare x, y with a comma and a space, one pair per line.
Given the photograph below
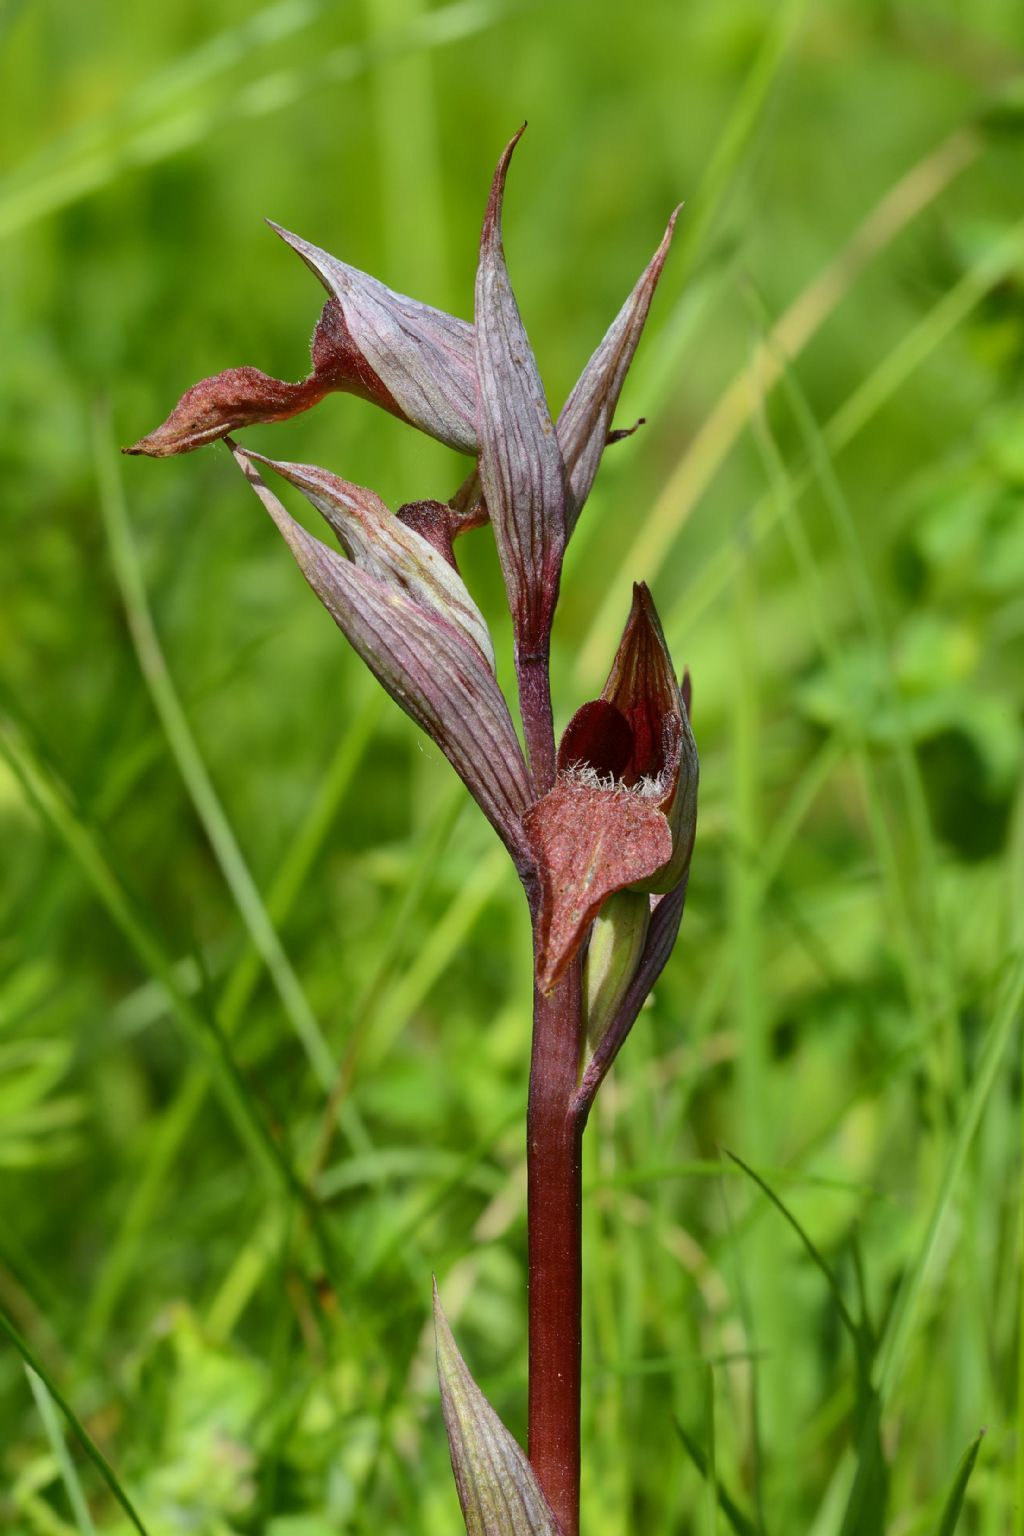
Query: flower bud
616, 945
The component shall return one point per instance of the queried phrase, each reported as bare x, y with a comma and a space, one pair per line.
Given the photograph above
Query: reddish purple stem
554, 1204
532, 670
554, 1135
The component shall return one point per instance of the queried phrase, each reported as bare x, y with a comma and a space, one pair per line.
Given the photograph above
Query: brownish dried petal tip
245, 397
687, 693
434, 521
225, 403
620, 434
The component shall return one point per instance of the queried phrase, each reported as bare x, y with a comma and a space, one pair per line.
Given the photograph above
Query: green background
231, 872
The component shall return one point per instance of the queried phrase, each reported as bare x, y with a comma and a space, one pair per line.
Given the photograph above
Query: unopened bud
617, 942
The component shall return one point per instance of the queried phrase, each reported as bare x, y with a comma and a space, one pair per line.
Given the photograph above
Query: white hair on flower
649, 787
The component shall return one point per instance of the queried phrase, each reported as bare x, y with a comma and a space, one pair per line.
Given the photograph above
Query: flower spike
431, 370
600, 830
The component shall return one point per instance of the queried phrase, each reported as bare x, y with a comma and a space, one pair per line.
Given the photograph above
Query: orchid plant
600, 829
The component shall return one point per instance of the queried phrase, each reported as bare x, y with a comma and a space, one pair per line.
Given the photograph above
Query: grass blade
69, 1476
740, 131
712, 1477
901, 1320
57, 809
188, 126
178, 1118
848, 1320
957, 1493
898, 1331
740, 1523
935, 963
722, 427
843, 427
81, 1434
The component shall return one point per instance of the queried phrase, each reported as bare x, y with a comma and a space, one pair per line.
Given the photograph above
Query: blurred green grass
230, 877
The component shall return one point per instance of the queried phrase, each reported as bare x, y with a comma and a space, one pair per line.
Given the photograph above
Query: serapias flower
622, 813
406, 610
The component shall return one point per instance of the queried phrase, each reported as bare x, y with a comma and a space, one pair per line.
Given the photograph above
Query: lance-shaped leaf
422, 356
242, 397
622, 812
388, 547
498, 1489
426, 663
521, 469
584, 423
